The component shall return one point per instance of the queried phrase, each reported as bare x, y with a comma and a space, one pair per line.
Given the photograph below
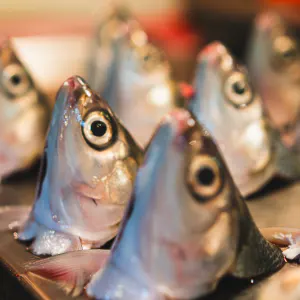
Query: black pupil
98, 128
146, 57
16, 79
239, 87
206, 176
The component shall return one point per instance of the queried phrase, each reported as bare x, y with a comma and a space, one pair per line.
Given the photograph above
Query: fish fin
13, 216
255, 255
70, 271
281, 236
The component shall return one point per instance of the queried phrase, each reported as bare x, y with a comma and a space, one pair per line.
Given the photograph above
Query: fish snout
74, 88
215, 55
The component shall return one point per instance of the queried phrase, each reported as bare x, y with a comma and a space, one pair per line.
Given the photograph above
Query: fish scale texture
257, 257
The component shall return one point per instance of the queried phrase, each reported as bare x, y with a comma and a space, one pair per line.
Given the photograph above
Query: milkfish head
145, 85
23, 115
121, 39
90, 162
110, 34
183, 210
131, 73
274, 64
231, 110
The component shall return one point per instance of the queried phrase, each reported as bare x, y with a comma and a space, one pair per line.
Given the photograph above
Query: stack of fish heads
232, 111
274, 63
88, 169
131, 73
186, 226
24, 114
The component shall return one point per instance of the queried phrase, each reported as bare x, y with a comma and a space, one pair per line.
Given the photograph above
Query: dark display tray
277, 205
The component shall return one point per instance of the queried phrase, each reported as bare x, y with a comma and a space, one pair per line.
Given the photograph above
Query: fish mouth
216, 55
97, 212
86, 193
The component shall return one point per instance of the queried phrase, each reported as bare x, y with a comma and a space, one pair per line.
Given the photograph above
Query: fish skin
131, 73
24, 116
87, 181
277, 79
236, 121
206, 234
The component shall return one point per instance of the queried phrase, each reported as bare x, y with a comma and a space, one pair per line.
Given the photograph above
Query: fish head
91, 161
274, 64
131, 73
183, 217
145, 85
109, 36
228, 106
23, 116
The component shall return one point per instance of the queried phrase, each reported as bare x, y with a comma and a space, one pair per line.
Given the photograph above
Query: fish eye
15, 80
237, 90
285, 50
205, 178
99, 129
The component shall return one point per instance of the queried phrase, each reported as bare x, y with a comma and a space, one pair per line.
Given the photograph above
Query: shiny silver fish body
274, 64
131, 74
186, 225
24, 115
227, 105
87, 174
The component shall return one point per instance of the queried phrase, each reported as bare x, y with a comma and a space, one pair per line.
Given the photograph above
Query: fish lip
179, 121
93, 199
75, 82
76, 189
96, 198
213, 54
73, 87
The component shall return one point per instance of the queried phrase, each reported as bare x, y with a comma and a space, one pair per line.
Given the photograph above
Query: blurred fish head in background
274, 64
232, 111
24, 114
131, 73
88, 169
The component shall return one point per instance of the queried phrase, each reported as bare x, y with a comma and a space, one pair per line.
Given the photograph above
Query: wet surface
277, 205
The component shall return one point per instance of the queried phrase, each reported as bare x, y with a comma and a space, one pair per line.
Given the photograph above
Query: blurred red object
289, 9
297, 2
172, 32
169, 30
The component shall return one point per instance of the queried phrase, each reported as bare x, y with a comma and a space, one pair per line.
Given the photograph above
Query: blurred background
52, 37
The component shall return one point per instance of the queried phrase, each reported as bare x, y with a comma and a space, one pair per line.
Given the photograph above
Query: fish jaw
199, 264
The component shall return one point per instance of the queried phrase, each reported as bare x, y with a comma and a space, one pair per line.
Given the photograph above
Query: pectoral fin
70, 270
